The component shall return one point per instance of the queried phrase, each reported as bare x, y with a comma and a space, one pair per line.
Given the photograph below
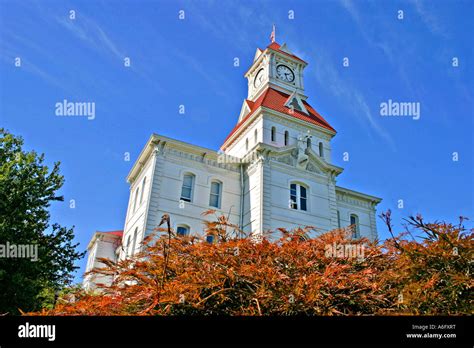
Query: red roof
115, 233
276, 100
276, 47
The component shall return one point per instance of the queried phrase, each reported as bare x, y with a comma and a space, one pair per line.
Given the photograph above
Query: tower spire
273, 34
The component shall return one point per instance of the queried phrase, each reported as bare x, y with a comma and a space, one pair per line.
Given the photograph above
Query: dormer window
294, 102
295, 105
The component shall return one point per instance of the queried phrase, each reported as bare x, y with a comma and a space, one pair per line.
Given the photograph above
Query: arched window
210, 238
246, 144
256, 136
321, 149
215, 196
134, 243
143, 189
308, 143
137, 191
287, 138
182, 230
298, 197
273, 134
127, 246
355, 226
187, 188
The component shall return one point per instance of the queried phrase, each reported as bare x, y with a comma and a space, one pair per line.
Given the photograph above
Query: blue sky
191, 62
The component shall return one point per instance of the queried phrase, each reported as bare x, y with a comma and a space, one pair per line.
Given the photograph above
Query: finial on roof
273, 34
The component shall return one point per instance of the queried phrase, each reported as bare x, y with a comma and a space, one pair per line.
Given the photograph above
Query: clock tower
276, 67
276, 111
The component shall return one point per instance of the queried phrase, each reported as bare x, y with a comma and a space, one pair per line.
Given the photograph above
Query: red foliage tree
286, 275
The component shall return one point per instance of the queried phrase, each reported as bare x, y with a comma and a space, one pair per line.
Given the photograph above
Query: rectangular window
355, 224
214, 199
303, 198
187, 189
293, 198
298, 197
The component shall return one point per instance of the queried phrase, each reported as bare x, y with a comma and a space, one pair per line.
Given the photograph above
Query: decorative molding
288, 159
312, 168
200, 159
352, 201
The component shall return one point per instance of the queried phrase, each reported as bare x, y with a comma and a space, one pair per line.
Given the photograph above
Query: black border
244, 331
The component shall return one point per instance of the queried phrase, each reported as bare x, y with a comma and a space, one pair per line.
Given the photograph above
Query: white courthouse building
273, 170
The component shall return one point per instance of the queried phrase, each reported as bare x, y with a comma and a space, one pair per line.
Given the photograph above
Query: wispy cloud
389, 43
328, 76
363, 26
91, 34
429, 19
9, 53
199, 68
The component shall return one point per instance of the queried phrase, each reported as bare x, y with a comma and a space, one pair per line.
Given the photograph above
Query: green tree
27, 187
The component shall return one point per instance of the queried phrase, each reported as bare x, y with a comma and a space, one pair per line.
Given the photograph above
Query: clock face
258, 78
285, 74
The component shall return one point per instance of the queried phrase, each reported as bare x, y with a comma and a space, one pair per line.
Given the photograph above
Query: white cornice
162, 144
99, 235
341, 192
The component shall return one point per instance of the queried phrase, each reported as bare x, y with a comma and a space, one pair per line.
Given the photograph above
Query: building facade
273, 170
